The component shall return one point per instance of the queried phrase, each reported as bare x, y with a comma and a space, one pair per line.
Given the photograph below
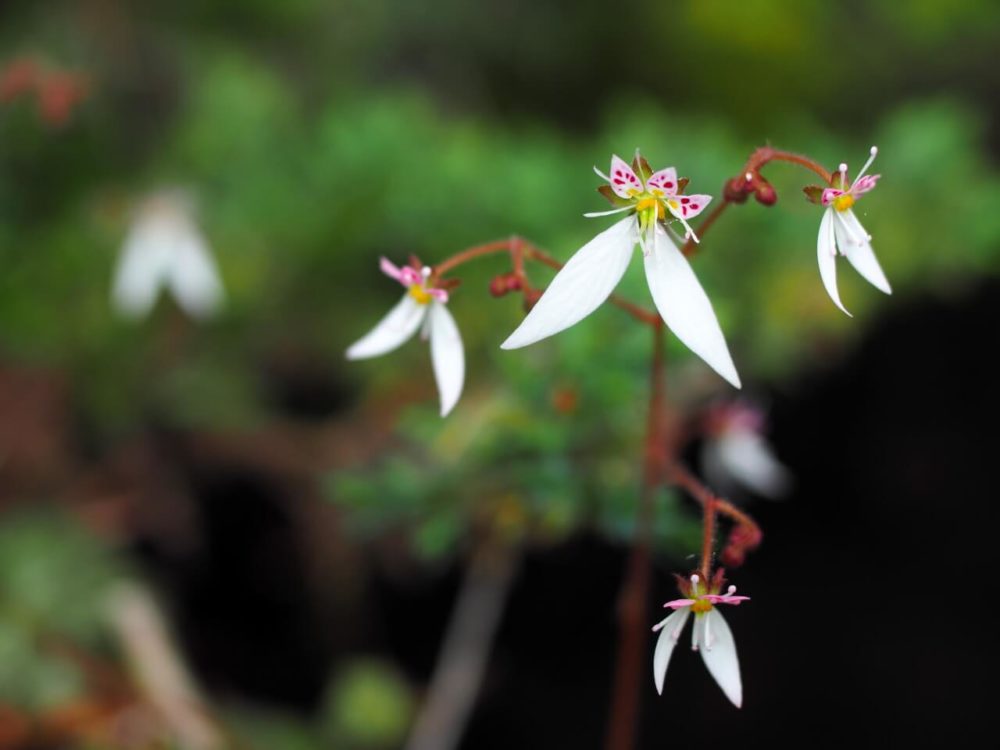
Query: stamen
425, 271
602, 175
708, 635
694, 579
731, 590
874, 153
749, 176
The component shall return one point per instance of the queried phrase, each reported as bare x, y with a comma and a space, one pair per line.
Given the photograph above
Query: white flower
735, 450
424, 305
711, 636
589, 277
841, 230
164, 248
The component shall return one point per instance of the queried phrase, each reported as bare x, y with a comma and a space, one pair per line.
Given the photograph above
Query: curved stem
520, 249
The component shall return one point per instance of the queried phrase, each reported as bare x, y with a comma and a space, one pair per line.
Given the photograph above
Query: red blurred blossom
18, 77
59, 93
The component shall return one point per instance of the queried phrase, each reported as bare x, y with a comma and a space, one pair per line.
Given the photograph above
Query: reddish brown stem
708, 538
521, 249
758, 159
633, 604
713, 505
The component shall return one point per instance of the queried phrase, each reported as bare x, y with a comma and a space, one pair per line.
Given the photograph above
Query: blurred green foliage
53, 581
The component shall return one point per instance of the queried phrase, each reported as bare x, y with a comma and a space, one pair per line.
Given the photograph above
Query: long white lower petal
587, 279
447, 356
826, 252
747, 458
719, 655
685, 307
397, 326
859, 252
142, 268
670, 630
193, 277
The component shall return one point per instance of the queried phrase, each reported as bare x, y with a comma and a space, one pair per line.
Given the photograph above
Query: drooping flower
735, 451
840, 230
711, 635
165, 249
422, 307
651, 199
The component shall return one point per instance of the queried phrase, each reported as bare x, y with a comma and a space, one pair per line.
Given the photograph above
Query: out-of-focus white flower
589, 277
735, 452
840, 230
165, 249
711, 635
421, 304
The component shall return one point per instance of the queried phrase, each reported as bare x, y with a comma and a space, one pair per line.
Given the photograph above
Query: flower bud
765, 193
735, 190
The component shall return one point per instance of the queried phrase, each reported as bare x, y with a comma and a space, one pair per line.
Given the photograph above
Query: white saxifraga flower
422, 307
165, 249
589, 277
735, 451
841, 231
711, 636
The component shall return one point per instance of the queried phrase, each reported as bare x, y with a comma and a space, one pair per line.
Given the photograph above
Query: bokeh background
284, 535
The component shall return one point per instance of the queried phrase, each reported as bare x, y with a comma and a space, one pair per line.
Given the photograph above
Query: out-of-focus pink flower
735, 451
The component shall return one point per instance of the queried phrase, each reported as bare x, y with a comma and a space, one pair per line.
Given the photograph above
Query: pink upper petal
865, 184
665, 180
409, 276
688, 206
390, 269
726, 598
678, 603
441, 295
829, 194
623, 178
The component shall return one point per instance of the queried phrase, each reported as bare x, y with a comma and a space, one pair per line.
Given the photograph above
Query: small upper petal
397, 326
587, 279
665, 180
623, 178
447, 356
854, 243
685, 307
688, 206
669, 631
826, 253
718, 650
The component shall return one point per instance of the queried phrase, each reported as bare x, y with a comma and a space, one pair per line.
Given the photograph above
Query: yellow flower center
701, 606
420, 294
843, 202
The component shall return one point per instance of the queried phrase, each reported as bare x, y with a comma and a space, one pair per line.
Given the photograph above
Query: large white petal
665, 644
719, 655
587, 279
447, 356
861, 256
685, 307
827, 255
142, 267
748, 459
193, 277
396, 327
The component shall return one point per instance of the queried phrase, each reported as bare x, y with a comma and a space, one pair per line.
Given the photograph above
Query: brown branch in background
465, 649
632, 603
